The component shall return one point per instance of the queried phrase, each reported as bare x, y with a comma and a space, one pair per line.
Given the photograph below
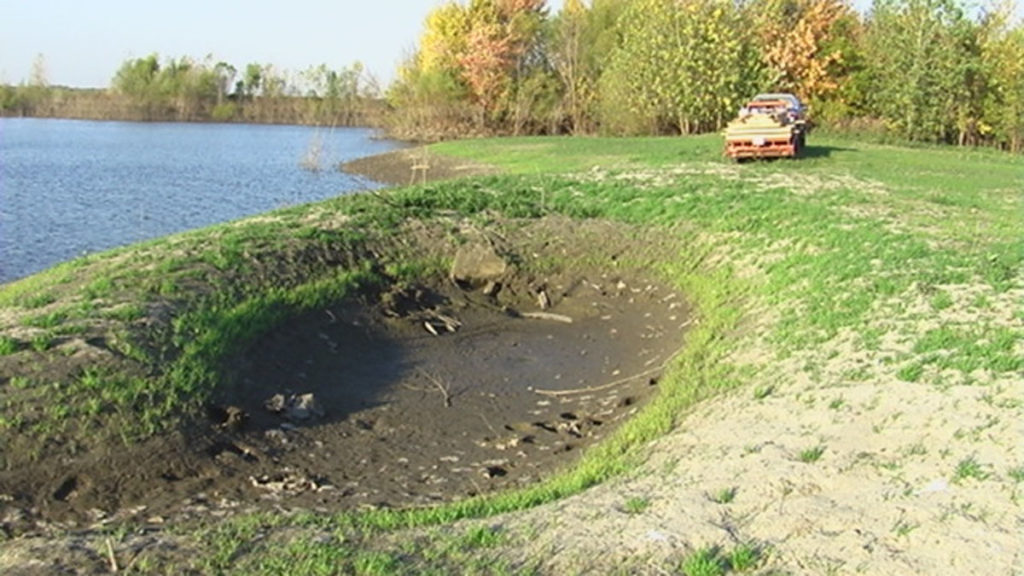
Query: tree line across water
941, 71
188, 90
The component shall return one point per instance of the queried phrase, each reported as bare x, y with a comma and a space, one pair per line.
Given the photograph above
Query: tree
185, 85
920, 56
579, 47
684, 64
1002, 63
137, 77
335, 94
795, 41
569, 57
443, 43
252, 81
479, 58
225, 77
849, 72
502, 38
39, 77
273, 83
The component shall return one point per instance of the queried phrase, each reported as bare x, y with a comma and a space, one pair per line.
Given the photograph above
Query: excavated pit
453, 396
405, 394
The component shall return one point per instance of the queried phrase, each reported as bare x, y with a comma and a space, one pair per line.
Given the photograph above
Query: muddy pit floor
362, 405
403, 416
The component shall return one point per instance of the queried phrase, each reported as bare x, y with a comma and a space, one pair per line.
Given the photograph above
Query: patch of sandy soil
884, 497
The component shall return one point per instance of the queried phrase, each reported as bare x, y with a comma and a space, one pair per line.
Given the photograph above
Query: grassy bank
911, 257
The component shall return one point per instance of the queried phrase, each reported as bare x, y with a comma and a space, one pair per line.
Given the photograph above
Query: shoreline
211, 121
414, 165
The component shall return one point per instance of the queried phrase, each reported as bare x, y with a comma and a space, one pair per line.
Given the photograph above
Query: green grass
38, 300
1016, 474
41, 342
745, 557
561, 155
704, 562
811, 455
941, 301
637, 505
481, 537
126, 313
715, 561
8, 345
724, 496
970, 348
98, 288
970, 468
902, 528
911, 372
50, 320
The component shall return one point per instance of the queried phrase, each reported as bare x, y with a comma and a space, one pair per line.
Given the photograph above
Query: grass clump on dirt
714, 561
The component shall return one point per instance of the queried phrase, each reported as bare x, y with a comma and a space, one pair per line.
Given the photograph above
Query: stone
303, 407
542, 299
491, 288
477, 263
275, 403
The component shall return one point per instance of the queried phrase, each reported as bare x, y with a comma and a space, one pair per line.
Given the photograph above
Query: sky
83, 42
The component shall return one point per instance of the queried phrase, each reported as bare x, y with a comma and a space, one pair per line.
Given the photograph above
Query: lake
71, 187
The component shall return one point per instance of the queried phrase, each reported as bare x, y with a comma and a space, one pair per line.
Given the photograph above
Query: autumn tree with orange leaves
478, 55
795, 40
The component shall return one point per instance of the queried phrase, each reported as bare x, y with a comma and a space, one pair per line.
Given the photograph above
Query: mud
406, 417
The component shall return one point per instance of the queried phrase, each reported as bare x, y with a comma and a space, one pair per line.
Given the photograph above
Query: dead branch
111, 557
444, 387
547, 316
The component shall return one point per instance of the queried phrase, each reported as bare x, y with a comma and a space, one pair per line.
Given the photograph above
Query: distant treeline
923, 70
186, 90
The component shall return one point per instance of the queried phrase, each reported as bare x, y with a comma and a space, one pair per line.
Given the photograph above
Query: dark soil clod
67, 490
495, 472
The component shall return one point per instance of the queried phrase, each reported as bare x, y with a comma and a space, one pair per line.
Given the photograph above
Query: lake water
70, 187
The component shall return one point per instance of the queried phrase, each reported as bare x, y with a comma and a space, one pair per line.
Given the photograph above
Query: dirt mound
407, 393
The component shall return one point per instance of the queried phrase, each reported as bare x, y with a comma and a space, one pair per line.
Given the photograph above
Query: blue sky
84, 41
